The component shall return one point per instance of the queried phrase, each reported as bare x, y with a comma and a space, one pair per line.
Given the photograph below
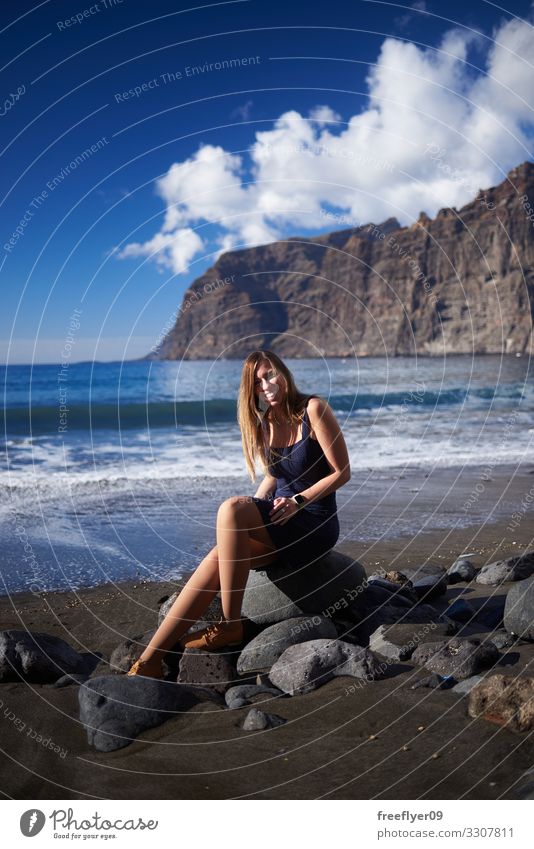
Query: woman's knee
234, 505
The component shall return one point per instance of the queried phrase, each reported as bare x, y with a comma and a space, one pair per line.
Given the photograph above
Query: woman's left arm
326, 428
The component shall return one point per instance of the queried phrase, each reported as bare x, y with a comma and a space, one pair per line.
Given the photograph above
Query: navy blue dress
314, 530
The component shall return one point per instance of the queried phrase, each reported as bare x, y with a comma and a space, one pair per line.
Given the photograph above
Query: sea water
114, 471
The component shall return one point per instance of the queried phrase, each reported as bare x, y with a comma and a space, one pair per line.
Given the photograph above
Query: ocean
114, 471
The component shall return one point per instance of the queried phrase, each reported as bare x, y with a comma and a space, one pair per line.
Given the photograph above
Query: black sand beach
382, 740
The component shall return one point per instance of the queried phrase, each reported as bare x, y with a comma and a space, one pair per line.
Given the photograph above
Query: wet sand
340, 742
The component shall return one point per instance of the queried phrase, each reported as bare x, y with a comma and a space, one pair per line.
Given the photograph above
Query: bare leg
238, 521
204, 584
194, 599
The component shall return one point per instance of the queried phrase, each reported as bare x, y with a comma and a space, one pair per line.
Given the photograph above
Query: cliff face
460, 283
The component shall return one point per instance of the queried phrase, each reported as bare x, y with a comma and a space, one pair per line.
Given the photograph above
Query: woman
292, 516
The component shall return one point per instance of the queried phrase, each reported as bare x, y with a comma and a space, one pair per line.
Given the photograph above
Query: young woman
292, 517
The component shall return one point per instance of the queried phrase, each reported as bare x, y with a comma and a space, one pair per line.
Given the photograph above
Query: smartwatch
299, 500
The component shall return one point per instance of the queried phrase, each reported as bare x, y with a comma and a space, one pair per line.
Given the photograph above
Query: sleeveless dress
314, 530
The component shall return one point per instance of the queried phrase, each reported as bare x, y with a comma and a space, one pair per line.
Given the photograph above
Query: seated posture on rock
292, 517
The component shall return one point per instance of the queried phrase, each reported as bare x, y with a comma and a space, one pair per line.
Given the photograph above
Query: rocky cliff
462, 282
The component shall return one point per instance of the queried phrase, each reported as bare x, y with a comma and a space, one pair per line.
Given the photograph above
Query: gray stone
519, 610
501, 640
212, 614
327, 587
396, 593
429, 581
511, 569
266, 648
304, 667
461, 570
257, 720
127, 652
207, 668
463, 688
399, 641
458, 657
241, 694
115, 709
37, 657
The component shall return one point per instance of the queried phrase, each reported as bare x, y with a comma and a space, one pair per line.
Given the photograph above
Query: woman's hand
283, 509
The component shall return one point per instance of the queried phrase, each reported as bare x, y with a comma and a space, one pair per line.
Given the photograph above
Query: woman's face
269, 385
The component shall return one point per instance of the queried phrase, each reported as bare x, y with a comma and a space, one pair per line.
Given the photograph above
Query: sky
139, 141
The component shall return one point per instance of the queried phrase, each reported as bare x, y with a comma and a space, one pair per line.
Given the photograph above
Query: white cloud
375, 166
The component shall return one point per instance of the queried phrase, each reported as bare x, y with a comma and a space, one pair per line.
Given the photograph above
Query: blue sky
139, 141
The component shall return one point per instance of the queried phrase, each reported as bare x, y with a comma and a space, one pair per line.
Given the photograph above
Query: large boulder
37, 657
511, 569
115, 709
266, 648
504, 700
519, 610
302, 668
327, 586
457, 657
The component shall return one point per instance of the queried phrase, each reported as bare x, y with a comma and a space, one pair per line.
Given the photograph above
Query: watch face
300, 499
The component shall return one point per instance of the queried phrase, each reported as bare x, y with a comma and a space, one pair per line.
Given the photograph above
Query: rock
491, 612
371, 618
212, 614
461, 611
519, 610
38, 657
526, 791
501, 640
458, 657
384, 591
127, 652
115, 709
504, 700
396, 577
304, 667
398, 642
241, 694
434, 682
266, 648
461, 570
463, 688
513, 569
207, 668
257, 720
326, 587
429, 581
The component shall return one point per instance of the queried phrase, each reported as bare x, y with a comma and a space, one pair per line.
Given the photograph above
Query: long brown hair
252, 420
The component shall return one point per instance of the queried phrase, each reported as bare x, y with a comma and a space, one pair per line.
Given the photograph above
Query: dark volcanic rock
257, 720
304, 667
519, 610
207, 668
34, 656
511, 569
266, 648
461, 570
327, 587
393, 293
458, 657
115, 708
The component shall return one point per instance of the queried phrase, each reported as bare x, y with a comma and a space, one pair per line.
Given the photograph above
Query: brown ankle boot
215, 636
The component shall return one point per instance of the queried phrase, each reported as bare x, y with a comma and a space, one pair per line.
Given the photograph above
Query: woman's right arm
266, 487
